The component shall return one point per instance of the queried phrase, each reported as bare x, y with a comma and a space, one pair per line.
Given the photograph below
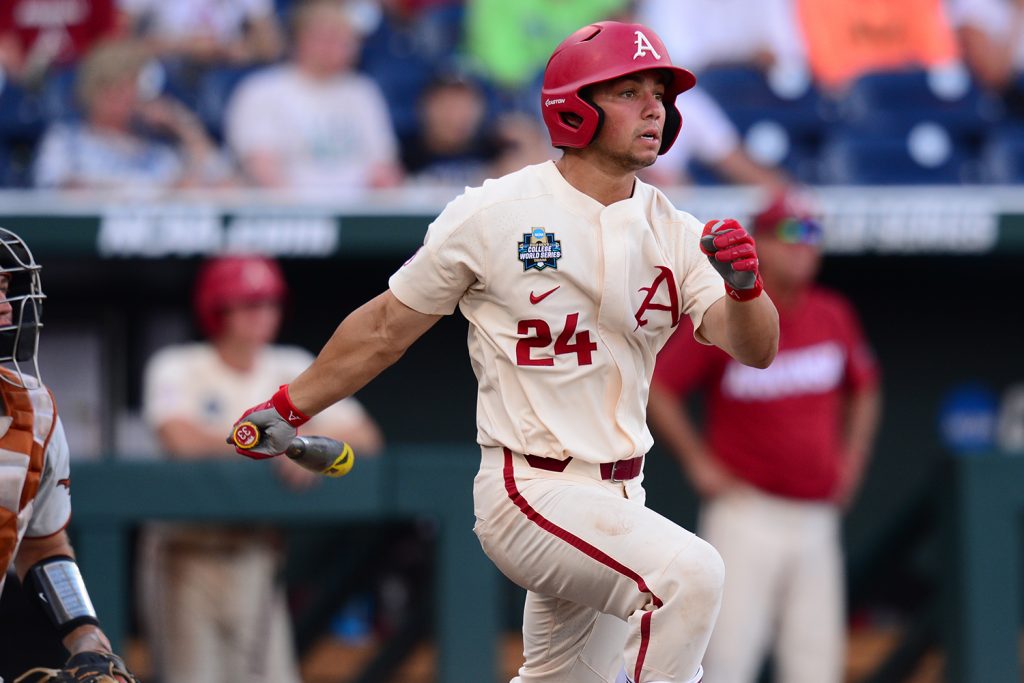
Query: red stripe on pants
590, 551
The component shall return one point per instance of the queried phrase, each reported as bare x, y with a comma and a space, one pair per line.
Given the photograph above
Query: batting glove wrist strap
58, 586
282, 403
745, 294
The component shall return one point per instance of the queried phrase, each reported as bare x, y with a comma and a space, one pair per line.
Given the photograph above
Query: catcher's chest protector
21, 460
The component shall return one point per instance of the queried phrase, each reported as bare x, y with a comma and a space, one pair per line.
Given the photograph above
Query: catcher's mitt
85, 667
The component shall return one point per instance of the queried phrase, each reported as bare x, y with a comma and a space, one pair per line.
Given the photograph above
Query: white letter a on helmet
643, 46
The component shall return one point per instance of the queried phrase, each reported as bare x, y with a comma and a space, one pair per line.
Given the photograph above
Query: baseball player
214, 608
783, 452
572, 275
35, 482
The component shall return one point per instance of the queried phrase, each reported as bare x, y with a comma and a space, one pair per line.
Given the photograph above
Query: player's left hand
731, 251
267, 429
89, 666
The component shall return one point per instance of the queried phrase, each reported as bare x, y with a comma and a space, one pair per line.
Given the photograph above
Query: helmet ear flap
673, 123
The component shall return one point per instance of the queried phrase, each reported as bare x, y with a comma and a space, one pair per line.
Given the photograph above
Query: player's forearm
864, 413
752, 330
34, 550
369, 340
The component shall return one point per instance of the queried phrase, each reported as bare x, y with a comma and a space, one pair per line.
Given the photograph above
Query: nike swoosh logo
537, 298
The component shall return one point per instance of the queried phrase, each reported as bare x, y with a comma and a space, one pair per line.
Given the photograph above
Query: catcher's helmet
232, 280
19, 340
602, 52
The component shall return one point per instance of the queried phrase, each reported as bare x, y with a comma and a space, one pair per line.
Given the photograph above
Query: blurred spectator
314, 124
703, 33
991, 34
523, 142
453, 145
512, 41
208, 32
117, 143
213, 608
709, 137
403, 49
848, 38
38, 35
783, 454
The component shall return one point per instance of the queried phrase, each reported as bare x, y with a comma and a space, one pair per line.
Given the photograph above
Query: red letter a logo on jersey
664, 277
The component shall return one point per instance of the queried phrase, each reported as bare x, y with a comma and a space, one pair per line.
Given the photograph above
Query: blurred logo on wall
975, 419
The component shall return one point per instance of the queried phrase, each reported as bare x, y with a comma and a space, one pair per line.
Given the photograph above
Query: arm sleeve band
58, 586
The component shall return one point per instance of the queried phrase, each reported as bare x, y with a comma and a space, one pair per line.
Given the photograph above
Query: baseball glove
85, 667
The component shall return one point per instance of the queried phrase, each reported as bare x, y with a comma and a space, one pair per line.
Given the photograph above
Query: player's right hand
267, 429
731, 251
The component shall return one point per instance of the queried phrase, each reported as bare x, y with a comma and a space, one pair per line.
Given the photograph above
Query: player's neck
602, 185
237, 355
785, 297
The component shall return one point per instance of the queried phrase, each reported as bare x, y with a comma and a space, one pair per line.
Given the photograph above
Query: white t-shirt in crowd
328, 134
698, 33
994, 17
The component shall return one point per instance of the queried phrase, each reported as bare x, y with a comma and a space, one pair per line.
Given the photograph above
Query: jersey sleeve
52, 508
449, 262
684, 365
701, 284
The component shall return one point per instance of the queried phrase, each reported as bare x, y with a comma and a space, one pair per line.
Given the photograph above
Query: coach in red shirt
782, 453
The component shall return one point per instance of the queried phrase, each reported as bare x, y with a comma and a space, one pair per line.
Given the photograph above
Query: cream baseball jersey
568, 303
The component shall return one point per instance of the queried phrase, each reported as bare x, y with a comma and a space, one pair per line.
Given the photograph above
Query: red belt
620, 470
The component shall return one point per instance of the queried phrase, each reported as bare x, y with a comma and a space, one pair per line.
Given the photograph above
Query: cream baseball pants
610, 583
783, 588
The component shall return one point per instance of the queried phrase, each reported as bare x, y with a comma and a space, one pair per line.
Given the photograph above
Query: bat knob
246, 435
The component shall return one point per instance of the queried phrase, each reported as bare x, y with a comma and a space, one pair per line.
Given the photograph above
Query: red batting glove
267, 430
731, 251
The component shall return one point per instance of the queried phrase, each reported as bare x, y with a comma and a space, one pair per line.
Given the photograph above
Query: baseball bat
320, 454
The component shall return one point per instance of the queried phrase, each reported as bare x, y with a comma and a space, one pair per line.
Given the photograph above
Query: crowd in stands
334, 97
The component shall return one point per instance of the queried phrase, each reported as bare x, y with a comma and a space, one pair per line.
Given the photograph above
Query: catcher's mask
603, 52
19, 336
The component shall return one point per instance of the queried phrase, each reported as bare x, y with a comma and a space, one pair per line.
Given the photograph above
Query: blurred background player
213, 606
35, 479
782, 455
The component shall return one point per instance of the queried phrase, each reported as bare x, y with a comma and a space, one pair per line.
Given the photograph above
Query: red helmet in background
233, 280
602, 52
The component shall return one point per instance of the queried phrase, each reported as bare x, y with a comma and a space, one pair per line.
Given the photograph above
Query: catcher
35, 483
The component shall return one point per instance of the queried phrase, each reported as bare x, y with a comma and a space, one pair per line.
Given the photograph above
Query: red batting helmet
602, 52
233, 280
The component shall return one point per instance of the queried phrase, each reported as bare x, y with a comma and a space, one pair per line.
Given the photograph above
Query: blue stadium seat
1002, 155
214, 92
891, 103
783, 121
403, 58
57, 94
21, 113
927, 155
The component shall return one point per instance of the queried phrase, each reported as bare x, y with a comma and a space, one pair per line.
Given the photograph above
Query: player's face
6, 311
634, 117
788, 265
255, 323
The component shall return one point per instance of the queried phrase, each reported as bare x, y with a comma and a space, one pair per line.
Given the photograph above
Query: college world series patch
540, 250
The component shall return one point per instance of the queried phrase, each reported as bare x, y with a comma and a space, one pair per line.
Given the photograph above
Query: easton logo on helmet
560, 100
643, 46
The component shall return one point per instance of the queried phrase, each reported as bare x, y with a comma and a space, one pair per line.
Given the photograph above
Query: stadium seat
21, 113
403, 58
1002, 155
926, 155
214, 92
892, 103
782, 119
